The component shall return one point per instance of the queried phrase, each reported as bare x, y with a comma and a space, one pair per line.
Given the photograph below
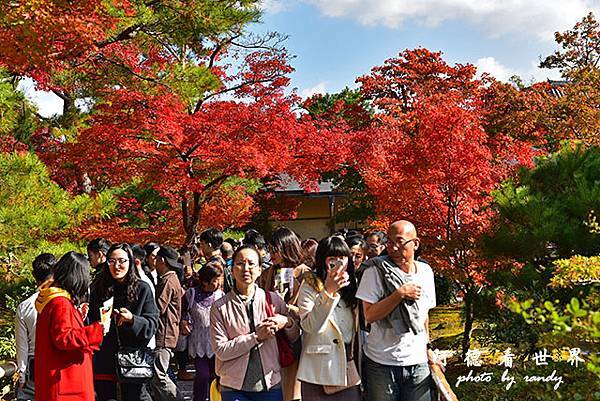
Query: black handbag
134, 364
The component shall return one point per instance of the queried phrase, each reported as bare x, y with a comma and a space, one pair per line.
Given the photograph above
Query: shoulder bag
133, 364
286, 355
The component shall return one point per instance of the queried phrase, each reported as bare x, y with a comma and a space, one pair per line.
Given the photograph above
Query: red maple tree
200, 161
185, 105
431, 160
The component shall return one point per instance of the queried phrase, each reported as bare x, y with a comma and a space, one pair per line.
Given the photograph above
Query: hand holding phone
106, 312
337, 277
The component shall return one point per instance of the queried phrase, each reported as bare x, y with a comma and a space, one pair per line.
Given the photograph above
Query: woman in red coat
63, 344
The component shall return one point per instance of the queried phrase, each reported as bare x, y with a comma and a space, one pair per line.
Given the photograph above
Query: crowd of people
343, 318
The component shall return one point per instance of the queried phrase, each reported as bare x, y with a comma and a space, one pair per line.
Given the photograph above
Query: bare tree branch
126, 34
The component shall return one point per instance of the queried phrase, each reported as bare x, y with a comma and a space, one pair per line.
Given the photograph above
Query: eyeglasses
120, 261
242, 265
399, 244
374, 246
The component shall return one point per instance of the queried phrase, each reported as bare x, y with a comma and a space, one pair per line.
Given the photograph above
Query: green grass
446, 326
446, 330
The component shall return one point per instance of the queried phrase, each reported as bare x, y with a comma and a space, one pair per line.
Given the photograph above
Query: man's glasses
399, 244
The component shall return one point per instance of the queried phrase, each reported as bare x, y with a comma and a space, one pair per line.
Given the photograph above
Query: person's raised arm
381, 309
65, 336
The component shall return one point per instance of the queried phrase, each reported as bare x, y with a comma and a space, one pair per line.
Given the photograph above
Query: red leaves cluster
9, 144
42, 37
189, 158
431, 159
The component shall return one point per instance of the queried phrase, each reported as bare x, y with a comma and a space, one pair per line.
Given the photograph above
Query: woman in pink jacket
243, 335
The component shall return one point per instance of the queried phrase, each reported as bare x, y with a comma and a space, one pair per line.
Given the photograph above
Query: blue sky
336, 41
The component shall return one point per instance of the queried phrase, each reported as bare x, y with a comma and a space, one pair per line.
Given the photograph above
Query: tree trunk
469, 317
191, 219
68, 105
190, 239
189, 226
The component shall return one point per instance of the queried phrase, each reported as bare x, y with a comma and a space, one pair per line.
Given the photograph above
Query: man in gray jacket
168, 300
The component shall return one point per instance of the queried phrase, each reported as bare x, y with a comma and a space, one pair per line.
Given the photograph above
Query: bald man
397, 292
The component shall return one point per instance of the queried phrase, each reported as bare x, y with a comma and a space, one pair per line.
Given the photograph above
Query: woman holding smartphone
134, 320
329, 320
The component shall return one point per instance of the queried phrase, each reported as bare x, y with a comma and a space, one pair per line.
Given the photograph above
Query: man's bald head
402, 243
403, 228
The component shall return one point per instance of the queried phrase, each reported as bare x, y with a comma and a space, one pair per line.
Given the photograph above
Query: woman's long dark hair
336, 246
72, 274
287, 244
104, 283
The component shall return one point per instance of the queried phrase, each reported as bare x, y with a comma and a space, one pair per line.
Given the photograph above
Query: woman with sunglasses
287, 257
285, 277
134, 320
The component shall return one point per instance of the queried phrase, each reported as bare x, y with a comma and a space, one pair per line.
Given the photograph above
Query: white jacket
25, 321
323, 358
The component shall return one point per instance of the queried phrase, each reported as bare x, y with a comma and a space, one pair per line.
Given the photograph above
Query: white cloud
494, 68
318, 88
503, 73
47, 102
537, 74
275, 6
540, 18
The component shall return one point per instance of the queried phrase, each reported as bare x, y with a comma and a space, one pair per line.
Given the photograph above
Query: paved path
185, 386
186, 389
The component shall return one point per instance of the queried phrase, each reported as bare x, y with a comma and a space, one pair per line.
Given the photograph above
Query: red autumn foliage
190, 159
9, 144
157, 118
432, 161
45, 37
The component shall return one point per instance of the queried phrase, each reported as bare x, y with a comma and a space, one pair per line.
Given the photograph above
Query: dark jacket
168, 300
145, 320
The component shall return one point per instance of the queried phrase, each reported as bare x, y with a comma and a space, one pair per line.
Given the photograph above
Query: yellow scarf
47, 294
315, 282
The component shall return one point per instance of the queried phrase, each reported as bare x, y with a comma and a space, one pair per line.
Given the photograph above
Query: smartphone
336, 264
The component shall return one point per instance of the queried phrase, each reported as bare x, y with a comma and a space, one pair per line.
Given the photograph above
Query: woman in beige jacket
328, 317
243, 336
